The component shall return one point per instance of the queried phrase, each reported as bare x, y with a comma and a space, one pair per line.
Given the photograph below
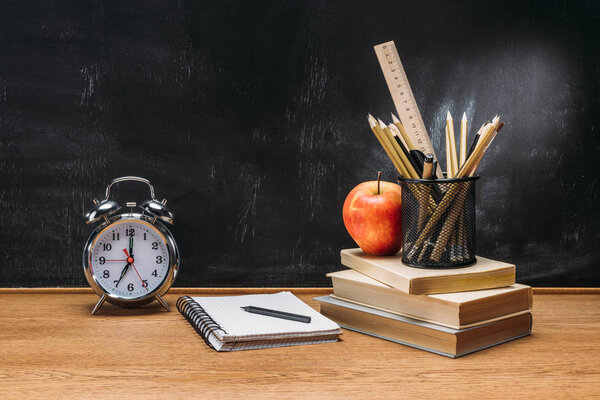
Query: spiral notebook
224, 326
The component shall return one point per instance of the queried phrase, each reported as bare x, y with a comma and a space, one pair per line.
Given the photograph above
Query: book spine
198, 318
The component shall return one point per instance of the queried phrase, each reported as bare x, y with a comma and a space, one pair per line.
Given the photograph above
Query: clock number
144, 283
115, 236
144, 235
154, 245
130, 232
106, 247
159, 259
102, 260
130, 287
154, 273
106, 274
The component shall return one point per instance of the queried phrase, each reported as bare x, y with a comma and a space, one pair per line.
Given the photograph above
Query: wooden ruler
403, 98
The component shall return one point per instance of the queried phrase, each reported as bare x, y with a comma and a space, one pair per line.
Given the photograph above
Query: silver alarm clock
131, 258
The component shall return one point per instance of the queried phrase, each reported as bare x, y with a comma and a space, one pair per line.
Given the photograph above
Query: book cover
424, 335
456, 310
390, 270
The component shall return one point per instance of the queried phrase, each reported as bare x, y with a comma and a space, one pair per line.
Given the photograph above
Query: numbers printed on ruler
403, 97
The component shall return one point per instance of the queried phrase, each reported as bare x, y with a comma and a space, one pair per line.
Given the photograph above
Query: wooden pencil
407, 164
463, 139
411, 158
453, 156
405, 135
449, 173
482, 145
387, 147
493, 136
396, 132
475, 140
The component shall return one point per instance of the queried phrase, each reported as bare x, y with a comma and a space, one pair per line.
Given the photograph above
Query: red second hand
138, 274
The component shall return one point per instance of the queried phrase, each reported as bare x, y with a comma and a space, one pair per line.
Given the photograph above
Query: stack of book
451, 312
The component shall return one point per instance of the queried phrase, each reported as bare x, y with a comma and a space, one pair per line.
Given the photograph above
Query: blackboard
250, 118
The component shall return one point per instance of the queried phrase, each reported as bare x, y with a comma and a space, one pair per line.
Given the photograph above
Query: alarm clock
131, 258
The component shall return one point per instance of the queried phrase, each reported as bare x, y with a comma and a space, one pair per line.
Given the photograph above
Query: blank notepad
226, 327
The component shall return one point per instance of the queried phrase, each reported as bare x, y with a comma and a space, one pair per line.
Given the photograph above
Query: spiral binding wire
198, 318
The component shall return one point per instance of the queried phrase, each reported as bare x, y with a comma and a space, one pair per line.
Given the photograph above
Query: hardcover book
455, 310
424, 335
390, 270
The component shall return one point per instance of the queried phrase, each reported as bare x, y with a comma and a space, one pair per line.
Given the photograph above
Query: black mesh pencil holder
438, 222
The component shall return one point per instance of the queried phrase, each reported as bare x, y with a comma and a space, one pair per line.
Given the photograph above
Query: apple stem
378, 181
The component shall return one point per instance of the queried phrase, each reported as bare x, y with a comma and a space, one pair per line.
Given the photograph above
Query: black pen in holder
438, 222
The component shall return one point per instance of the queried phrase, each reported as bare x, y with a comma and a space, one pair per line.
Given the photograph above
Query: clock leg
163, 302
99, 304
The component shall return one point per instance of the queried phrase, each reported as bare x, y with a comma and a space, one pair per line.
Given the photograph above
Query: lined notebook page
239, 325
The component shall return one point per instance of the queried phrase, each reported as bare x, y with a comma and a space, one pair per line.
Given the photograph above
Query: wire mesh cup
438, 222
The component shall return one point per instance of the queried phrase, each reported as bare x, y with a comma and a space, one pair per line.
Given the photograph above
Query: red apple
373, 217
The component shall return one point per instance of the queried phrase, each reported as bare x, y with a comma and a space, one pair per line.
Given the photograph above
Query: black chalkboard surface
250, 118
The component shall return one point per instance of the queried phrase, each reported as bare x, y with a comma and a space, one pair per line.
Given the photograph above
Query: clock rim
150, 296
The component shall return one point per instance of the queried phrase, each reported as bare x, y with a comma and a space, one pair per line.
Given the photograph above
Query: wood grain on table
51, 347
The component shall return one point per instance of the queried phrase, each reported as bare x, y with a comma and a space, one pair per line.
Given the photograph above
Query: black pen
475, 140
473, 146
433, 173
277, 314
408, 155
417, 158
412, 157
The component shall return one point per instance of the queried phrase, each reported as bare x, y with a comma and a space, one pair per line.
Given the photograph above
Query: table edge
254, 290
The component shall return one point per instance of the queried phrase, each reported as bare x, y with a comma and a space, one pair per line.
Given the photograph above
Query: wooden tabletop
51, 347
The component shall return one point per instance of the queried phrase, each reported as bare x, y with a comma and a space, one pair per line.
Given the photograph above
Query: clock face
129, 259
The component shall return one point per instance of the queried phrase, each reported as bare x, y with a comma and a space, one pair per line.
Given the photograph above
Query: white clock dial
129, 258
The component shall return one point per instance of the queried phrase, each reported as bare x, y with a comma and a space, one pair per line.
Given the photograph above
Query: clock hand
138, 274
131, 246
123, 272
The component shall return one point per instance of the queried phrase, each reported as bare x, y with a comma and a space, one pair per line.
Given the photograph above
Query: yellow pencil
400, 127
407, 164
450, 124
387, 148
463, 139
449, 173
396, 132
482, 145
493, 136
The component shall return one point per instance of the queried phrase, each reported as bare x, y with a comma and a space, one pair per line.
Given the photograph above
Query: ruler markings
403, 98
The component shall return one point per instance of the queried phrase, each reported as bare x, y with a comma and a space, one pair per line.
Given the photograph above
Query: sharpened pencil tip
395, 119
381, 123
448, 116
372, 121
464, 118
